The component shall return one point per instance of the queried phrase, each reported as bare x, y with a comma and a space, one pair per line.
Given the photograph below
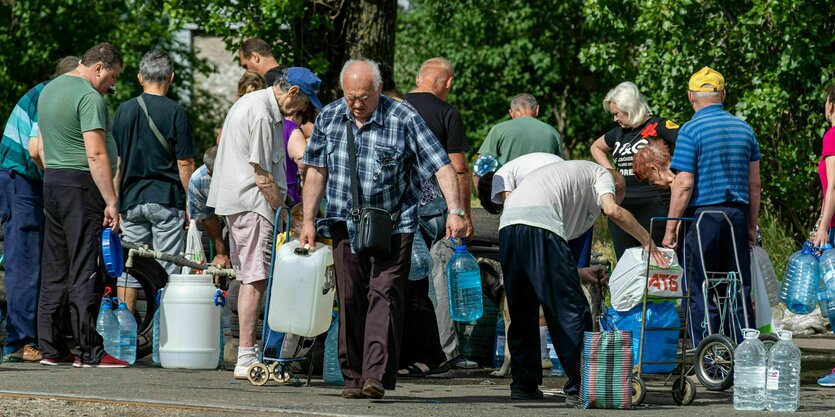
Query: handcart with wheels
683, 388
715, 353
282, 351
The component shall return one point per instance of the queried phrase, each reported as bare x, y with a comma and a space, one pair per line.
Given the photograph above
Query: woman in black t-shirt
636, 124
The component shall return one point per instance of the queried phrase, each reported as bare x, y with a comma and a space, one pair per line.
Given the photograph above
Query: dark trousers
421, 342
644, 209
718, 250
581, 248
71, 274
21, 213
539, 268
370, 293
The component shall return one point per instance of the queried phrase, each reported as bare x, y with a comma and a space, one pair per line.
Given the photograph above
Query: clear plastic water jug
155, 341
826, 288
556, 366
782, 384
421, 260
800, 282
331, 372
498, 354
301, 297
750, 360
464, 282
772, 285
127, 334
107, 325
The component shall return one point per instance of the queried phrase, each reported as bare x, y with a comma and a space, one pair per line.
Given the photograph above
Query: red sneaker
106, 362
67, 360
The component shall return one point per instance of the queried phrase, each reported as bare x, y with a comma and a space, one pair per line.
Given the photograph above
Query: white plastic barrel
189, 323
301, 297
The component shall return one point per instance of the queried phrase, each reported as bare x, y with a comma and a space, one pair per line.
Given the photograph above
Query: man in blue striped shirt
717, 160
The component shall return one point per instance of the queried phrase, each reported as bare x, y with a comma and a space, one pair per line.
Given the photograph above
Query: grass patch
777, 240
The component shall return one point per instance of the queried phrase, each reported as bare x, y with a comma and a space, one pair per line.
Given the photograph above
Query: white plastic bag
194, 248
759, 298
627, 282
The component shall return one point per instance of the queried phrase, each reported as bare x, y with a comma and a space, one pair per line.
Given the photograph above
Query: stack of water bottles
464, 275
767, 380
799, 290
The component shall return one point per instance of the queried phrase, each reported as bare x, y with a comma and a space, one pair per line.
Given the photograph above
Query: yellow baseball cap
704, 76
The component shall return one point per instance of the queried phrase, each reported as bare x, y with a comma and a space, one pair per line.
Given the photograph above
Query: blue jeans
21, 212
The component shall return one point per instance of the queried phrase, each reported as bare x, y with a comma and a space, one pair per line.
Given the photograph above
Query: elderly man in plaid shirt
198, 193
394, 150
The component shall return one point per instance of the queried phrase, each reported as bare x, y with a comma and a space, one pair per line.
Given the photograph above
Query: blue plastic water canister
800, 282
127, 334
107, 325
556, 366
421, 260
750, 360
782, 380
826, 288
464, 282
485, 163
501, 339
155, 342
331, 372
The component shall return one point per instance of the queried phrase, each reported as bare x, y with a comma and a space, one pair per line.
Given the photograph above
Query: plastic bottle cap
461, 249
784, 334
111, 249
751, 333
123, 306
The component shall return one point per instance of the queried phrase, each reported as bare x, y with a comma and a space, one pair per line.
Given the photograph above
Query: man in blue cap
248, 185
308, 83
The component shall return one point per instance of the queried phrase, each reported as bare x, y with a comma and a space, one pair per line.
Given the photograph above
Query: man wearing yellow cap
717, 165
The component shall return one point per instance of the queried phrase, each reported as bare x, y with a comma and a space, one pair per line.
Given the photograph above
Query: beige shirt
251, 137
563, 197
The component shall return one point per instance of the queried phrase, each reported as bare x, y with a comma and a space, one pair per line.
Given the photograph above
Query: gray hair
523, 101
373, 67
712, 96
630, 101
209, 158
156, 66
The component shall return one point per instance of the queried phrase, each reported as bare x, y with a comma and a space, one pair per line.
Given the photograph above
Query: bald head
361, 83
435, 76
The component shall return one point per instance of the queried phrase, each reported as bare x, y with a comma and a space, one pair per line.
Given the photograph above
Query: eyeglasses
352, 99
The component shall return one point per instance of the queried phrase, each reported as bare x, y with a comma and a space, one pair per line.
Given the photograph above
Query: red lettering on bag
664, 282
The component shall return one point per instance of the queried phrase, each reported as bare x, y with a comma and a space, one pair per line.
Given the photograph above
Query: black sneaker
526, 394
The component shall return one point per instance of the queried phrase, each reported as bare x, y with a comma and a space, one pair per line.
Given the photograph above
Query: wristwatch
457, 212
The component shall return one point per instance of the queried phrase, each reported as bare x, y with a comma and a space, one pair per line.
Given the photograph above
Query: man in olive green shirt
80, 158
522, 134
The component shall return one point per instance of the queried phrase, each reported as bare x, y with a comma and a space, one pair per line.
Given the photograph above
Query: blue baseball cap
307, 82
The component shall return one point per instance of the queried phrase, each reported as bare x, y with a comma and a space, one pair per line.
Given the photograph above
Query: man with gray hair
156, 148
522, 134
393, 150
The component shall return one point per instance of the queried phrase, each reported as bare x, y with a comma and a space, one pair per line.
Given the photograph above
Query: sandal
415, 370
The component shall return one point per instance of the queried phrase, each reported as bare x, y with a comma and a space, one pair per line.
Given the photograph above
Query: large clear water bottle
331, 372
107, 325
155, 340
127, 334
750, 359
421, 260
501, 339
556, 366
772, 285
800, 282
464, 282
782, 384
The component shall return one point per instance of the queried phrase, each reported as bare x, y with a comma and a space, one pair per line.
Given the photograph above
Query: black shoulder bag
373, 226
153, 127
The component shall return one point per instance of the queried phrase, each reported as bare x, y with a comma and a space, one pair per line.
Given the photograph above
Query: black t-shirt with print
626, 142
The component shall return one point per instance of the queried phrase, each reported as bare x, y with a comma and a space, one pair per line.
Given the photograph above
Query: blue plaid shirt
198, 193
395, 151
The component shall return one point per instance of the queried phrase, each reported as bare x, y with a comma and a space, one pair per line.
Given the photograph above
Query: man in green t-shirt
80, 158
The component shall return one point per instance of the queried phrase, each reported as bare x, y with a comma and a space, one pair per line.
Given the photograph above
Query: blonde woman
635, 125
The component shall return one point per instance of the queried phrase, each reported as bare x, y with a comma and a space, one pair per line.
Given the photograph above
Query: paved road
31, 389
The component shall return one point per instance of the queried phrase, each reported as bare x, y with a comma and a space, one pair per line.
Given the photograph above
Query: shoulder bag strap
153, 127
352, 164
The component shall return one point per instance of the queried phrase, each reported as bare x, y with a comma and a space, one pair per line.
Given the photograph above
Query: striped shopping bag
606, 370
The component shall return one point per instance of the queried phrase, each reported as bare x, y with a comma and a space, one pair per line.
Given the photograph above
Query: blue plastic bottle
464, 281
556, 367
331, 372
127, 334
155, 343
421, 260
107, 325
498, 355
800, 282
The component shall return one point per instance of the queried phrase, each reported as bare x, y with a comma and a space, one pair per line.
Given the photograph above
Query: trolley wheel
639, 390
258, 374
768, 339
684, 394
278, 374
715, 363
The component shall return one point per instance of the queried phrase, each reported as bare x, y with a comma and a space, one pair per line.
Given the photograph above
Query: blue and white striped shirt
716, 147
22, 125
395, 151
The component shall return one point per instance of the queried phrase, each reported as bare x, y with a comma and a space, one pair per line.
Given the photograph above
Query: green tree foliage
778, 58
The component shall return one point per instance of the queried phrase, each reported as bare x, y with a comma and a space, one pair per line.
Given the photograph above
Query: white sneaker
244, 362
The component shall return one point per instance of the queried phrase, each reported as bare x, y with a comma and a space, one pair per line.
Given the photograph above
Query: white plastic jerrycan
189, 323
301, 297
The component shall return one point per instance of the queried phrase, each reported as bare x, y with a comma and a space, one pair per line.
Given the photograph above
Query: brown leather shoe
373, 388
27, 353
352, 393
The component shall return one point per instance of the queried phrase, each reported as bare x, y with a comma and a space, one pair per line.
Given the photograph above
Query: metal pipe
135, 249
